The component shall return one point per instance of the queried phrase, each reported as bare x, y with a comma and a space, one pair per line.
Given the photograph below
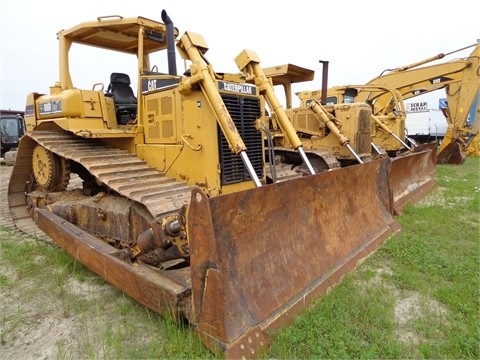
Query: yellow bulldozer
161, 188
339, 134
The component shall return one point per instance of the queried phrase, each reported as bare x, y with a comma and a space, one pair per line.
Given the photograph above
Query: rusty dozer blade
411, 176
162, 291
259, 257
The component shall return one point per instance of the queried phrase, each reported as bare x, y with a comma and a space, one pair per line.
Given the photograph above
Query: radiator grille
244, 112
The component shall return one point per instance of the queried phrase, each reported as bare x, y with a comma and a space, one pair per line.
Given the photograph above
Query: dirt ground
29, 329
5, 172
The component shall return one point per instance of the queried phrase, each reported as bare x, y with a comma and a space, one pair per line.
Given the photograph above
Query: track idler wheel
51, 171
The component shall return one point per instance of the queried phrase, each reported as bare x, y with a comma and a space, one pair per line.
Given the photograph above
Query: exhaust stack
172, 61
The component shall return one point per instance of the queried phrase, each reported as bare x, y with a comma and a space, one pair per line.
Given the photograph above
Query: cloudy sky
359, 38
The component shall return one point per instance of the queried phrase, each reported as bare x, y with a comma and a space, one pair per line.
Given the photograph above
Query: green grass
432, 267
417, 296
40, 281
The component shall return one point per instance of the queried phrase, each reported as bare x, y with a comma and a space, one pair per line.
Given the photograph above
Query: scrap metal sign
416, 107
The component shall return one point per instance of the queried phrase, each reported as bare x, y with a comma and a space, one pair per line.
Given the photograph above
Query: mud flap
412, 175
259, 257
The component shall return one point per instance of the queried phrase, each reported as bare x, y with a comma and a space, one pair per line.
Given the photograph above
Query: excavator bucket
411, 176
452, 154
259, 257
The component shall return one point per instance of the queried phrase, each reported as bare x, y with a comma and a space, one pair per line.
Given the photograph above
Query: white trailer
425, 125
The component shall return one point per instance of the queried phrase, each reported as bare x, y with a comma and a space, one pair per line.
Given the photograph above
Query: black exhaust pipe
323, 100
172, 61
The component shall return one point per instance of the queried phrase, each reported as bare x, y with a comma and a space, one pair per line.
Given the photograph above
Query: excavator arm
461, 80
415, 82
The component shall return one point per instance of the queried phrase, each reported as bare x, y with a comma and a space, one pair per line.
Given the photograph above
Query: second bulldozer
339, 134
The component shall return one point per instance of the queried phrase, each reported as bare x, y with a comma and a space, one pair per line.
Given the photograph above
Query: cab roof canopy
120, 34
288, 73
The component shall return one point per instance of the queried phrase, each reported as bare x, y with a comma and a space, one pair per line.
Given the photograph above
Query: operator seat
122, 94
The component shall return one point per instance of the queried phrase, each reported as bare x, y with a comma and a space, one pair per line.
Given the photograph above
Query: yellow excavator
459, 77
163, 190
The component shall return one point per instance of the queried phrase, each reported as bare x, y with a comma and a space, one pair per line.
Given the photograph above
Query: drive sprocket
51, 171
